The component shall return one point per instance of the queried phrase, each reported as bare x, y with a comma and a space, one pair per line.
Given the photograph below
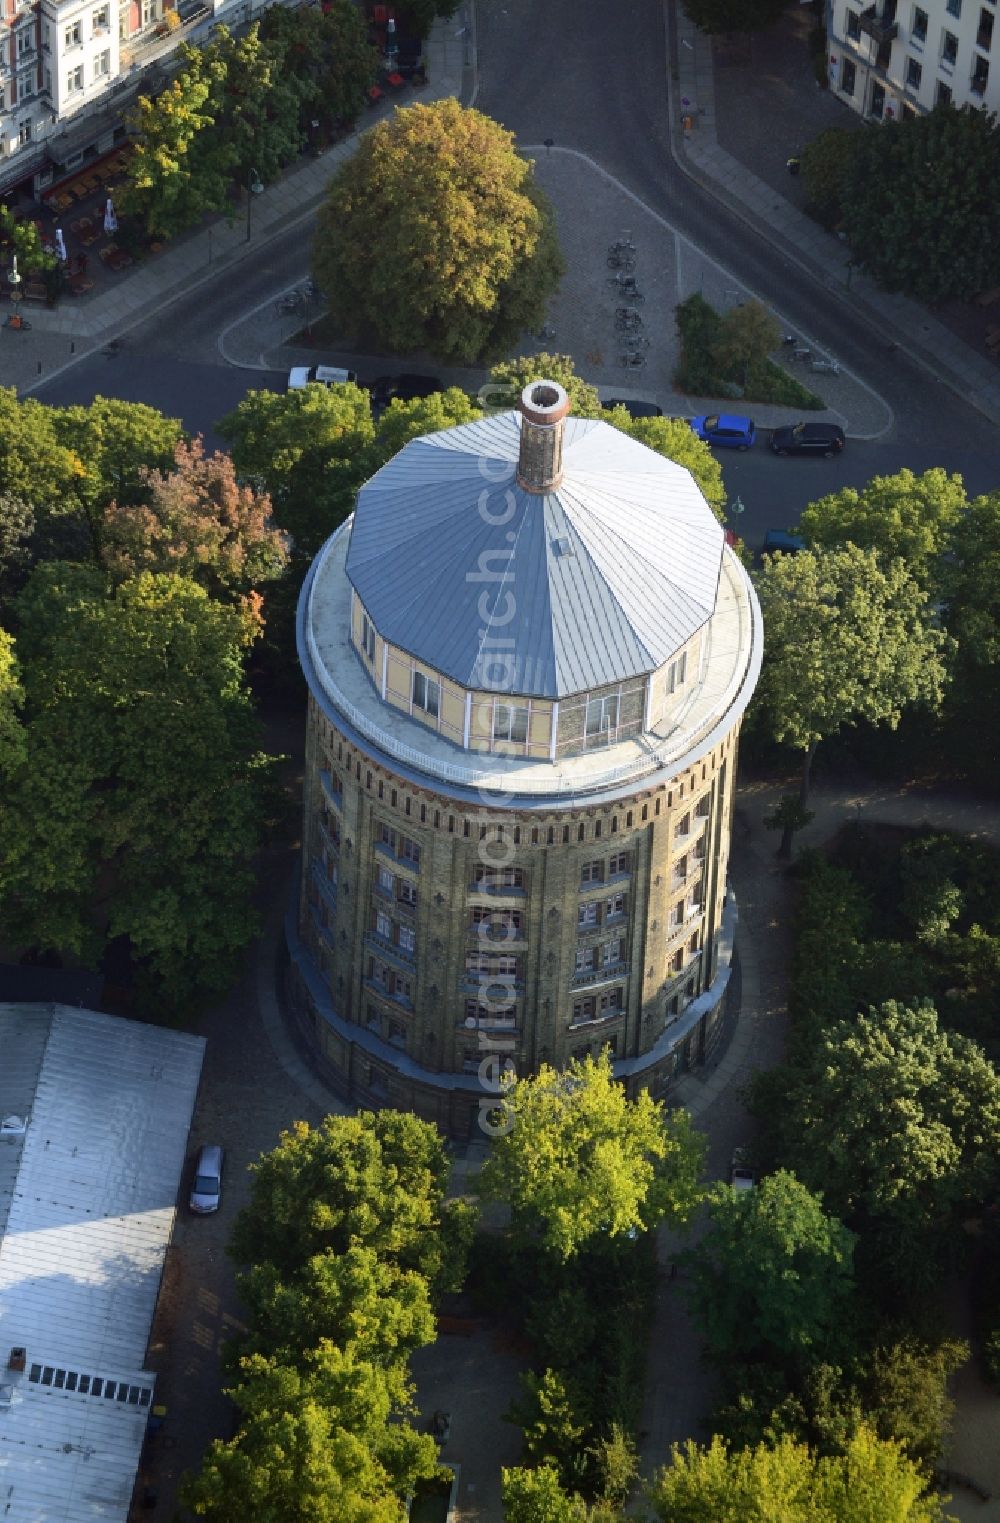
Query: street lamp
255, 186
15, 292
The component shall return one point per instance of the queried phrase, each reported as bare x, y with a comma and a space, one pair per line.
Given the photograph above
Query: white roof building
94, 1118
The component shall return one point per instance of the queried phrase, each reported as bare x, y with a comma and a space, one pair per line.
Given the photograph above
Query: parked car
406, 387
324, 375
780, 540
206, 1189
634, 407
808, 439
740, 1176
727, 430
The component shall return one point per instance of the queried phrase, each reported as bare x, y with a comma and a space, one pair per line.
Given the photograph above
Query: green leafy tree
373, 1180
897, 1122
254, 104
826, 168
420, 15
175, 173
320, 1445
746, 336
139, 806
970, 581
714, 16
548, 1412
846, 639
578, 1160
920, 214
509, 378
772, 1275
304, 449
789, 815
326, 55
906, 517
11, 697
36, 466
17, 526
434, 235
537, 1496
906, 1393
874, 1481
198, 522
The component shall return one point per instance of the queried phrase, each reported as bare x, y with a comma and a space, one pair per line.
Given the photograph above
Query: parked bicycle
545, 332
632, 360
802, 355
621, 262
826, 367
112, 349
626, 286
294, 301
627, 322
622, 245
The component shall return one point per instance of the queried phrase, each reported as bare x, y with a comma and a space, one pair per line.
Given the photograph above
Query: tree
419, 15
897, 1122
116, 444
198, 522
24, 242
747, 334
919, 212
826, 168
303, 449
772, 1275
846, 638
140, 804
906, 1393
970, 582
319, 1445
374, 1180
789, 815
536, 1496
509, 378
174, 176
906, 517
327, 55
872, 1482
17, 525
580, 1160
434, 235
714, 16
253, 105
36, 466
11, 697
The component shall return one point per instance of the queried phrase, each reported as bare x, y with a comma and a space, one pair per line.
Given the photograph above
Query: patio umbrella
60, 243
110, 220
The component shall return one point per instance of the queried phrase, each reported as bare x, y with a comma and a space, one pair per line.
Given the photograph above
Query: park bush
708, 366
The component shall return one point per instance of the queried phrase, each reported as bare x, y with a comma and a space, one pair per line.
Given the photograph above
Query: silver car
206, 1191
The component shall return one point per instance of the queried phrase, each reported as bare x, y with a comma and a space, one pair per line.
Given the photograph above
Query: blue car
726, 429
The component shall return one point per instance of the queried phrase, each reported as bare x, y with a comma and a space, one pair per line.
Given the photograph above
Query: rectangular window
683, 827
914, 74
980, 76
584, 959
618, 864
876, 105
586, 914
368, 637
602, 717
677, 915
102, 64
610, 1002
426, 694
918, 30
386, 880
584, 1009
949, 49
614, 952
682, 668
984, 36
73, 35
46, 37
943, 95
25, 43
852, 22
74, 79
407, 938
406, 893
408, 851
150, 11
614, 907
498, 877
954, 8
100, 19
383, 925
848, 76
396, 1033
510, 723
592, 872
677, 962
123, 26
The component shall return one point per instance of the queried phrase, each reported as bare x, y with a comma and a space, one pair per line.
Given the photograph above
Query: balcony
882, 27
496, 987
498, 890
375, 942
394, 996
607, 973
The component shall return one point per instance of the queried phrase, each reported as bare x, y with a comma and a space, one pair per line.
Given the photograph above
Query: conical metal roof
598, 581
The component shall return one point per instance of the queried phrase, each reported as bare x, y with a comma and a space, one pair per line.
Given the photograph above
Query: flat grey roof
92, 1190
596, 582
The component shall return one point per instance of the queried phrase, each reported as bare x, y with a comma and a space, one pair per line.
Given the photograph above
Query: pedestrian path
58, 337
696, 148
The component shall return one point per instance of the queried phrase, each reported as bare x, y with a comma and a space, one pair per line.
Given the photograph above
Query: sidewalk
698, 150
63, 334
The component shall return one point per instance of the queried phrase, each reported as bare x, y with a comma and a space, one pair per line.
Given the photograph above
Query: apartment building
898, 57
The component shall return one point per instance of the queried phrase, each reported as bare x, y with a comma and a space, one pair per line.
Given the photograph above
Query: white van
326, 375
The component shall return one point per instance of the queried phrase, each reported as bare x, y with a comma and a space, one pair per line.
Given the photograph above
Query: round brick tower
528, 654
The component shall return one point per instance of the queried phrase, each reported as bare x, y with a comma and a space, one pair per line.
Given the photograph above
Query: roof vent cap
13, 1126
